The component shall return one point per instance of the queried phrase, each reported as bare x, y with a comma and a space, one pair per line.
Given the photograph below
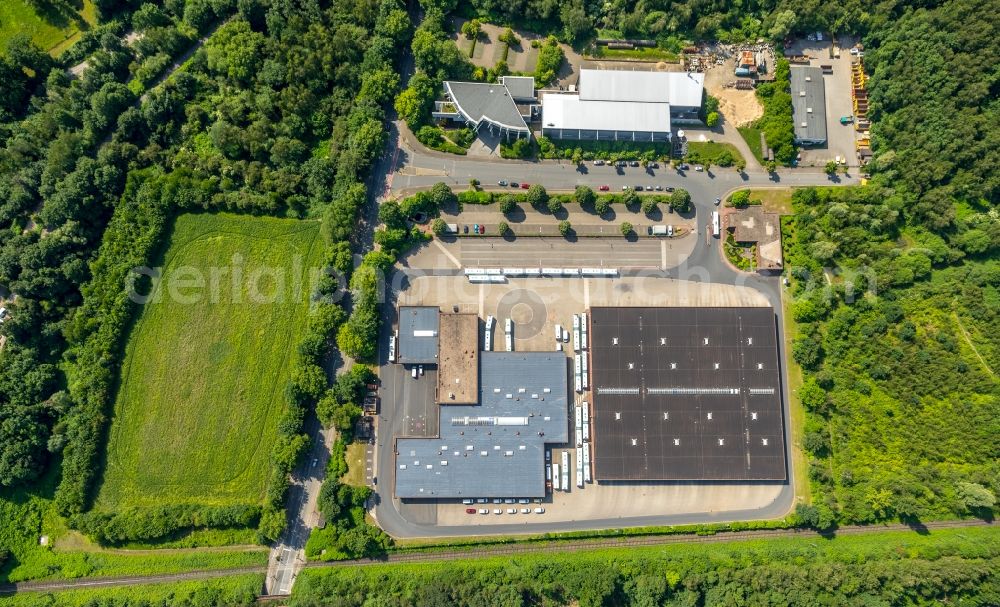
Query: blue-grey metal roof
416, 349
521, 88
478, 102
808, 104
495, 448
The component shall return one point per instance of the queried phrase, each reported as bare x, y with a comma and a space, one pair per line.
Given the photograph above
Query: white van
413, 372
539, 510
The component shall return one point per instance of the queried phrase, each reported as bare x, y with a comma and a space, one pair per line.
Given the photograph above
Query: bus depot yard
596, 399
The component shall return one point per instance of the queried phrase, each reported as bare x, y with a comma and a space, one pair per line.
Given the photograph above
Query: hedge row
134, 524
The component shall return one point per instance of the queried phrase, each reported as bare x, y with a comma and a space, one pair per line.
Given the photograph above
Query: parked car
498, 511
470, 510
484, 511
482, 229
598, 163
634, 163
621, 163
511, 510
413, 373
539, 510
475, 228
465, 229
670, 231
525, 510
604, 188
523, 501
624, 188
524, 186
683, 166
497, 500
420, 368
670, 188
515, 184
699, 168
508, 501
637, 188
502, 182
467, 501
658, 188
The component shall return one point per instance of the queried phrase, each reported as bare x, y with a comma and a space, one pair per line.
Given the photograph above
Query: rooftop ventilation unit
722, 442
635, 442
677, 442
763, 441
709, 415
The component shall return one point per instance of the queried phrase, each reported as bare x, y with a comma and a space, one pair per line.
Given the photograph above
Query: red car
524, 186
604, 188
470, 510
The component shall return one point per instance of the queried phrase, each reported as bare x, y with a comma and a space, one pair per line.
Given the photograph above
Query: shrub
583, 195
626, 228
565, 227
649, 205
439, 226
503, 228
712, 120
507, 204
603, 205
680, 200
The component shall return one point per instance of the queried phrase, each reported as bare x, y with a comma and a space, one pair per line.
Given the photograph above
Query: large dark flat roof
662, 406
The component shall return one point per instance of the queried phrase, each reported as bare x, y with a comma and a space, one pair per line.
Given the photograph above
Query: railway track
431, 555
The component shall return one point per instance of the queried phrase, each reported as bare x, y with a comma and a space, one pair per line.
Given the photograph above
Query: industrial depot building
495, 448
678, 394
614, 105
686, 394
607, 105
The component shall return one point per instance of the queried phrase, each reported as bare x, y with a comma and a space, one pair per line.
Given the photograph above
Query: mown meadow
201, 390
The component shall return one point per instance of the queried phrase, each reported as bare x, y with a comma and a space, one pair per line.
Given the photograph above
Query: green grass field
204, 372
55, 30
702, 151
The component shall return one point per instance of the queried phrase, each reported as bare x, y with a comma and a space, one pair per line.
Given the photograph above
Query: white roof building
614, 105
680, 89
567, 111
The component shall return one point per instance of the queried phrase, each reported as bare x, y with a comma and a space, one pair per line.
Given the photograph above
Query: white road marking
447, 253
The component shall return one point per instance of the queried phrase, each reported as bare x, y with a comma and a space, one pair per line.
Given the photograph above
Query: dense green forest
876, 569
279, 113
672, 21
897, 288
